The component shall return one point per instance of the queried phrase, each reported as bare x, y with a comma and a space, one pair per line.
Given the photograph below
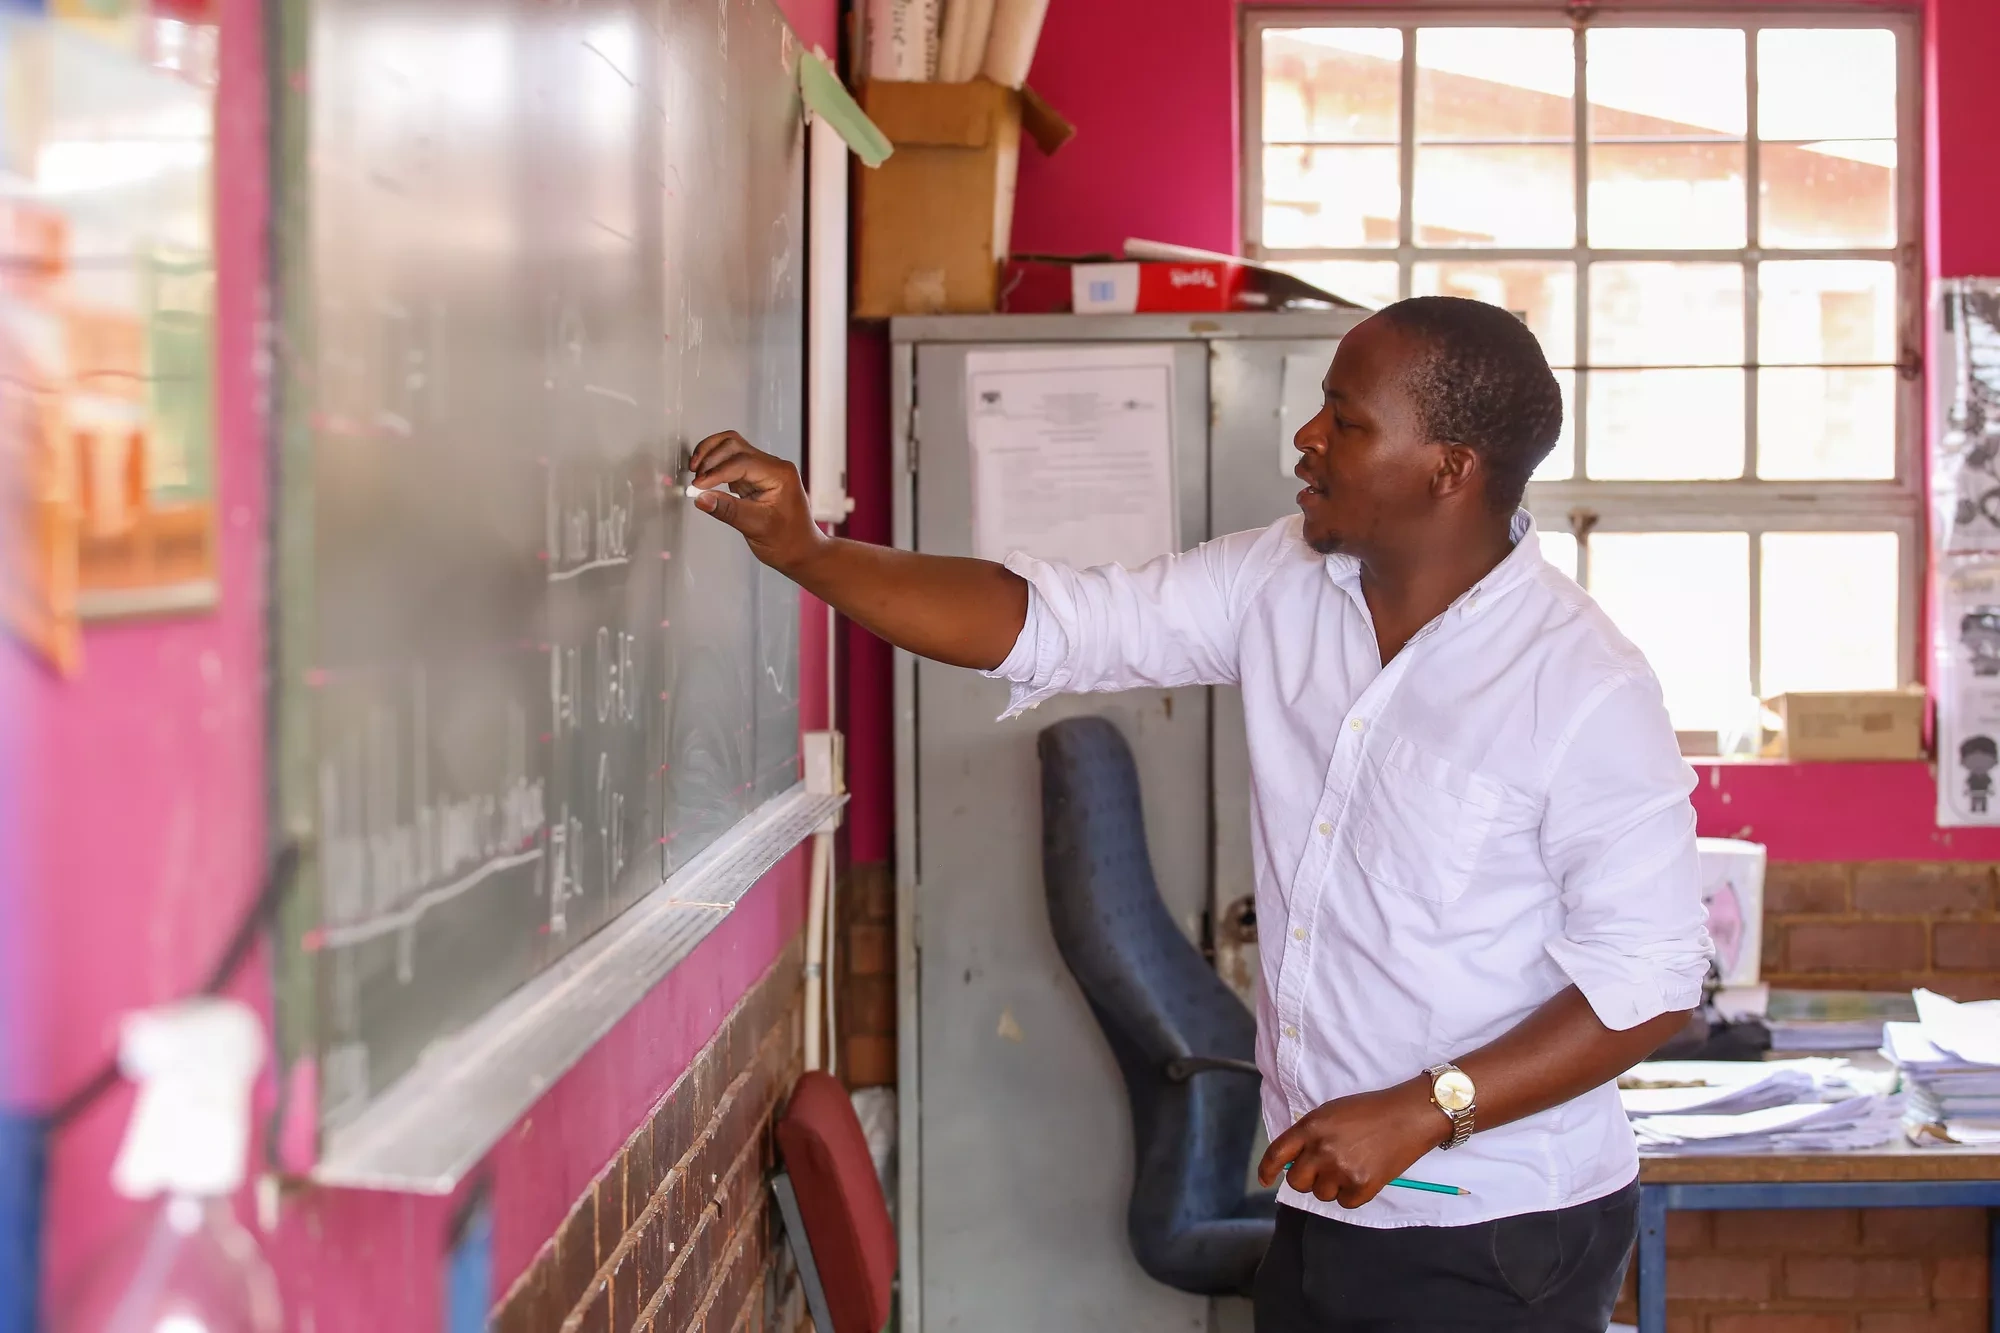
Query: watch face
1453, 1090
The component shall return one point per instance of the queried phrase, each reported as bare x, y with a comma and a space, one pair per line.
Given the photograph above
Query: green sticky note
823, 92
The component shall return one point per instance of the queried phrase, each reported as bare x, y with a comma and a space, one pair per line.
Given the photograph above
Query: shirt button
1357, 726
1326, 830
1291, 1033
1472, 602
1298, 932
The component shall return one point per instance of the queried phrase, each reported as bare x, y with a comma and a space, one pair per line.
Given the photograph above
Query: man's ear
1459, 469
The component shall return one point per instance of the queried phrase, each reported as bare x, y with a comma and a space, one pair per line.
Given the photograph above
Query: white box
1732, 889
1104, 289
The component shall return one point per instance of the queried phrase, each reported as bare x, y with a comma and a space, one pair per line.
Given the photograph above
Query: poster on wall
1965, 527
1968, 680
107, 315
1966, 475
1073, 453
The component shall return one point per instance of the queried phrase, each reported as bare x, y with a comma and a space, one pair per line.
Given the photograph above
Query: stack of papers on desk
1702, 1107
1729, 1087
1950, 1062
1867, 1121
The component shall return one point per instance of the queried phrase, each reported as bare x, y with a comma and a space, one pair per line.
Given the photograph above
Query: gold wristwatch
1452, 1093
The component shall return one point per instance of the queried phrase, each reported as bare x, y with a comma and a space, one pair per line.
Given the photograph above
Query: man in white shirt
1477, 890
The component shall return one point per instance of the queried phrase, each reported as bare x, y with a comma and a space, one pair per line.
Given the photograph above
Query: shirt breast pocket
1425, 824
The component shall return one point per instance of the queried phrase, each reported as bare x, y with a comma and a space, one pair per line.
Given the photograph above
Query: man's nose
1311, 437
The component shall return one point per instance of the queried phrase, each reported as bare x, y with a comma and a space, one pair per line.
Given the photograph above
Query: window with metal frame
1711, 222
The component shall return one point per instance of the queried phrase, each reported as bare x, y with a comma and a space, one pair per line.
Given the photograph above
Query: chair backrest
1153, 993
840, 1202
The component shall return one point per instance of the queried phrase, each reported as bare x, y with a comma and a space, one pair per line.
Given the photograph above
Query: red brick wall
1879, 1270
865, 1010
677, 1234
1884, 925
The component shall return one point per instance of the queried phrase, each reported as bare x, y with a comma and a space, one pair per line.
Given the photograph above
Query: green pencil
1425, 1185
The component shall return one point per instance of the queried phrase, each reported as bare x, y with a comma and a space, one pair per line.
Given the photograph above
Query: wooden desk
1893, 1176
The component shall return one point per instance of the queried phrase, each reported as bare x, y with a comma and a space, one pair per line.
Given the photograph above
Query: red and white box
1132, 286
1151, 279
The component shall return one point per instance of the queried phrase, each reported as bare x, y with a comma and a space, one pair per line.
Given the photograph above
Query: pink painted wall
866, 692
1963, 155
146, 813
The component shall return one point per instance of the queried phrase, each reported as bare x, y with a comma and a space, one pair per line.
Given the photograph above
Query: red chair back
840, 1201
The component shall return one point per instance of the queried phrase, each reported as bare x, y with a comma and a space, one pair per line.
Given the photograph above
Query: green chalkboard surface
529, 252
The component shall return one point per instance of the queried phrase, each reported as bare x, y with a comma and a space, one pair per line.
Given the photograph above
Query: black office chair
1183, 1040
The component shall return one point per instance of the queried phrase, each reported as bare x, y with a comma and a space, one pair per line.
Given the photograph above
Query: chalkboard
530, 251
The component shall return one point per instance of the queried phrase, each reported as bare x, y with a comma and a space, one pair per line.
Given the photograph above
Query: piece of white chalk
695, 492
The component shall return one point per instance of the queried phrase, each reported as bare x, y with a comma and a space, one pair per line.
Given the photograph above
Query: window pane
1653, 83
1543, 294
1665, 425
1333, 85
1830, 193
1684, 599
1818, 424
1667, 118
1667, 196
1828, 611
1331, 197
1560, 465
1827, 83
1816, 311
1559, 549
1481, 85
1657, 314
1518, 195
1370, 282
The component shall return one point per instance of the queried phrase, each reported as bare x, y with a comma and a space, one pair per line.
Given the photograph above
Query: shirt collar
1514, 569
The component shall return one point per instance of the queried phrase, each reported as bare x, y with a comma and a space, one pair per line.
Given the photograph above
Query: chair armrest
1185, 1067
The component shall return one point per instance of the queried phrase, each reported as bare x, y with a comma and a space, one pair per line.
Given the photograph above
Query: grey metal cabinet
1015, 1142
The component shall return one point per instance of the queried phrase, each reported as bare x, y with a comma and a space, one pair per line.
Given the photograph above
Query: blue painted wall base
468, 1294
23, 1167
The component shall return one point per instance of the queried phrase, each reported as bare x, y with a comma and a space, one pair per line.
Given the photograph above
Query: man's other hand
1348, 1151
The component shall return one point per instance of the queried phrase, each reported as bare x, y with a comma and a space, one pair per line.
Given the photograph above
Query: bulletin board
107, 316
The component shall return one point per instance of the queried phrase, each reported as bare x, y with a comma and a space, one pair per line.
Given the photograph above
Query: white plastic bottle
187, 1265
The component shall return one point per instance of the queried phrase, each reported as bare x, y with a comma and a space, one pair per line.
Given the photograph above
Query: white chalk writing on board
387, 858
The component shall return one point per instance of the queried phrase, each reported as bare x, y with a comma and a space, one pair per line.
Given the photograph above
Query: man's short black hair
1485, 384
1979, 745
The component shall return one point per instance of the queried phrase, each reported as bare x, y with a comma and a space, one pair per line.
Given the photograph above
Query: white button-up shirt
1442, 844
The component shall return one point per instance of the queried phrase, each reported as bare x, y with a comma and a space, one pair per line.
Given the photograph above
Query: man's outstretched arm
958, 611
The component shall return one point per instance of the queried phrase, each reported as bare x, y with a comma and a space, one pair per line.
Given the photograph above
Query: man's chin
1320, 539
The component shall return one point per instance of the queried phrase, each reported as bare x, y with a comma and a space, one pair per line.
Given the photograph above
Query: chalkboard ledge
432, 1126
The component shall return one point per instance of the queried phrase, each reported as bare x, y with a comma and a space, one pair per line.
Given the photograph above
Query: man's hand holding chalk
950, 609
758, 495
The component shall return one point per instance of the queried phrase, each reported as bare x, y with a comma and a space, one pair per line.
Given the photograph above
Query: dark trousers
1557, 1272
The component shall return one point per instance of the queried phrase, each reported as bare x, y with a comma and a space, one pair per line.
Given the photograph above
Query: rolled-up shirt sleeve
1618, 837
1170, 622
